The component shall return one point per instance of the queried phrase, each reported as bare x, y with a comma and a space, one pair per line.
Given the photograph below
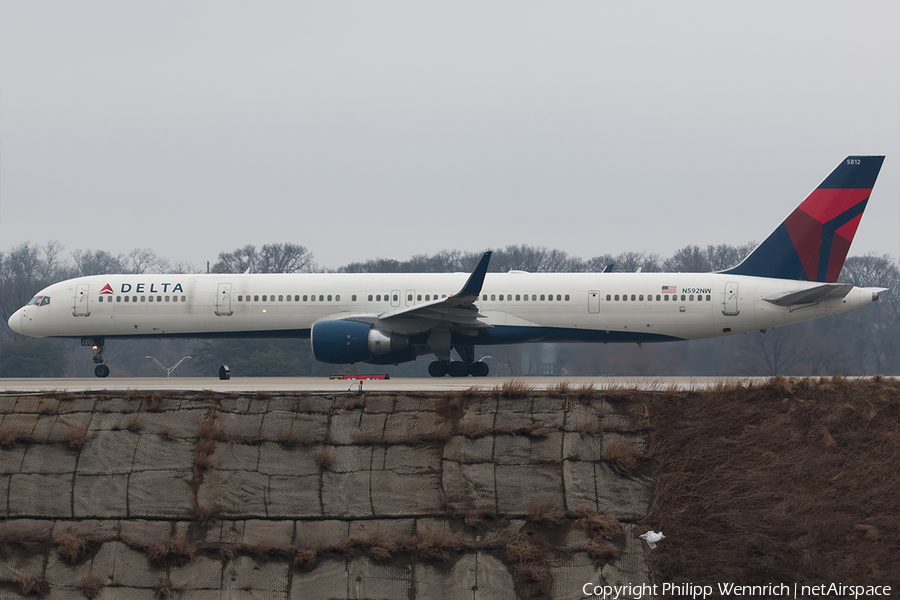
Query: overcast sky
387, 129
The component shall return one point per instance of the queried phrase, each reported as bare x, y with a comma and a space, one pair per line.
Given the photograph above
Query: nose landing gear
101, 370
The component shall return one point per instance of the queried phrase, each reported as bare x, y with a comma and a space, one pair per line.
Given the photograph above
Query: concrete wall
456, 495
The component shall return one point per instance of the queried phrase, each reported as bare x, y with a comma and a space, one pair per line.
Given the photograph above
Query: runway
324, 385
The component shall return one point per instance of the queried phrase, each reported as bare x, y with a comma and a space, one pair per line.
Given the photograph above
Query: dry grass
164, 590
10, 436
176, 551
153, 403
90, 586
77, 435
546, 514
434, 545
476, 515
135, 424
71, 545
203, 453
514, 388
561, 390
585, 391
799, 475
31, 585
325, 456
600, 526
305, 558
622, 456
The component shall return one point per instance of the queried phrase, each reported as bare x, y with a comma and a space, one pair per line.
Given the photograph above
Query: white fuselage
613, 307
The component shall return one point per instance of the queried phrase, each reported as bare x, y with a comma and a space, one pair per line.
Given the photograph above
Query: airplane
390, 318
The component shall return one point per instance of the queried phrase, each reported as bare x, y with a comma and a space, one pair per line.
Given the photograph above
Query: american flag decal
670, 289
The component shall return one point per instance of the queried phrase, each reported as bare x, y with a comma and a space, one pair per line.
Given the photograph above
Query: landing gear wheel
437, 368
457, 368
101, 370
479, 369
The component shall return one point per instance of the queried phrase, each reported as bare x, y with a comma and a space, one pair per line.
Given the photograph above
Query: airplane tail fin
812, 243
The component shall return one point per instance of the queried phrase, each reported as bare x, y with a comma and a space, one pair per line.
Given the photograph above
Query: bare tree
97, 262
284, 258
143, 260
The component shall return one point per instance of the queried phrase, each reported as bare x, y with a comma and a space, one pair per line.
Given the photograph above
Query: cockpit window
45, 301
36, 300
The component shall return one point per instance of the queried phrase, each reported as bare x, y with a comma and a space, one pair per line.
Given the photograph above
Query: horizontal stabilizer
812, 295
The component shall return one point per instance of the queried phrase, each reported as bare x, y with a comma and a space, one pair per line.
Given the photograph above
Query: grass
90, 586
622, 456
544, 513
12, 435
325, 456
514, 388
77, 435
71, 545
799, 475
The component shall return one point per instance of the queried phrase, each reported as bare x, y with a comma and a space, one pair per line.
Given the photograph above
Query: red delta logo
106, 289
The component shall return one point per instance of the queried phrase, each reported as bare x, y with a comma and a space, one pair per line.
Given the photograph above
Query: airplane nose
15, 321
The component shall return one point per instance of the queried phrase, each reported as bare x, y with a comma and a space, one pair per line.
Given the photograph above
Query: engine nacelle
343, 342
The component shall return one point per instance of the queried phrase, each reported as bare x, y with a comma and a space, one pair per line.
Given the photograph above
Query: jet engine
343, 342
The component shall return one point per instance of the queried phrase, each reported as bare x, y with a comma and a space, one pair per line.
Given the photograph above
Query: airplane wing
812, 295
457, 310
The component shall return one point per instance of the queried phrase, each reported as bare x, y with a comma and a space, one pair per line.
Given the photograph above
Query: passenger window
632, 297
484, 297
558, 297
691, 297
501, 297
657, 297
337, 298
240, 298
167, 298
378, 297
159, 298
707, 298
409, 297
143, 298
542, 297
682, 297
321, 298
444, 296
100, 299
624, 297
533, 297
280, 297
493, 297
608, 297
329, 297
617, 297
666, 297
427, 297
353, 298
419, 297
119, 298
396, 297
151, 299
567, 297
641, 297
126, 298
525, 297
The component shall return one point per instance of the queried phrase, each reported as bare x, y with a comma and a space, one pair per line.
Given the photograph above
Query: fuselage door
395, 298
594, 302
730, 306
81, 306
223, 300
410, 297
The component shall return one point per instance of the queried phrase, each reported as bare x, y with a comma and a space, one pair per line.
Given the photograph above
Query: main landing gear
457, 368
101, 370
